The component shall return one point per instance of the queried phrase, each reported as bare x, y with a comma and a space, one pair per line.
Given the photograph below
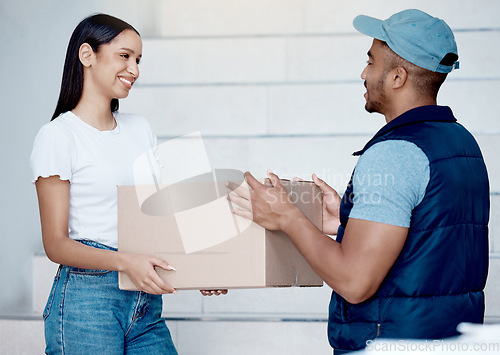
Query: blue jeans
87, 313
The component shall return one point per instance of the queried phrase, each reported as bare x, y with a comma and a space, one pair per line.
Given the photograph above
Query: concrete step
213, 337
22, 336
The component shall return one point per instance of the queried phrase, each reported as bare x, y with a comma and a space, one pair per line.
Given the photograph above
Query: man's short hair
426, 82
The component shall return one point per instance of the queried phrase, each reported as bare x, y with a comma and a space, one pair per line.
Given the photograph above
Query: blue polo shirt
389, 181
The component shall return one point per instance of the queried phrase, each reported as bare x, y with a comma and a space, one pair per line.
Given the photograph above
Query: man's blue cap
421, 39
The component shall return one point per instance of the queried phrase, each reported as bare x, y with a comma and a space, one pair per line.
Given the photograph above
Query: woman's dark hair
95, 30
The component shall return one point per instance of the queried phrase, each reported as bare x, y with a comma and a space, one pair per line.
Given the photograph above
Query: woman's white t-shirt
94, 162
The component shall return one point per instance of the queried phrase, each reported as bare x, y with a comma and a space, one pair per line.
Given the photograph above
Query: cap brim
369, 26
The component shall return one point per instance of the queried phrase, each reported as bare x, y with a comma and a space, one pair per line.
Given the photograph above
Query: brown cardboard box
190, 225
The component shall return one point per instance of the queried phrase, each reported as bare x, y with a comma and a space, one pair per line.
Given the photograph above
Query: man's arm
354, 268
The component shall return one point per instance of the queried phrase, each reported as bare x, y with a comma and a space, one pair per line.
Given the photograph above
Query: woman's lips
127, 83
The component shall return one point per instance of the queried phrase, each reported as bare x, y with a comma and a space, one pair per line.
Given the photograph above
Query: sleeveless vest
438, 279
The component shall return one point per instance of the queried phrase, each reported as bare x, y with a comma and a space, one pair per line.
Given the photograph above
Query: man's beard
376, 105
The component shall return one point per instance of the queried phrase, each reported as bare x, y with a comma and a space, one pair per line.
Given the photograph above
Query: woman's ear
86, 55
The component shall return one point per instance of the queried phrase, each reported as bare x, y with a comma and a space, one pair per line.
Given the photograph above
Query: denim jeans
87, 313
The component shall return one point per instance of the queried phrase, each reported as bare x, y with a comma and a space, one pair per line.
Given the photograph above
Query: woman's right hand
140, 268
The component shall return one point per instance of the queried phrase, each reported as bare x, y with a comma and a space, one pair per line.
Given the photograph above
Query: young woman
78, 159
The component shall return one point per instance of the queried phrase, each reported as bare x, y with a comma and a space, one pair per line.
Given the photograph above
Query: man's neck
405, 106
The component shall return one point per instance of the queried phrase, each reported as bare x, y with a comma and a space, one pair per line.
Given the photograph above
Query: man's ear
86, 55
399, 77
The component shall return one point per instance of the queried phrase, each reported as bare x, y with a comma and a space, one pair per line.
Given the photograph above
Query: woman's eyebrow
128, 50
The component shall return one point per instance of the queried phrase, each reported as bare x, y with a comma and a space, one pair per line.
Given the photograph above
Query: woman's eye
138, 61
124, 55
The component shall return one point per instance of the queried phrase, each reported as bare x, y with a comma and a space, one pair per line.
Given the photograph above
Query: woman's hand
213, 292
140, 269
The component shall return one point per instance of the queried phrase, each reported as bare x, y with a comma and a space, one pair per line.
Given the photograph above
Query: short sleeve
52, 153
389, 181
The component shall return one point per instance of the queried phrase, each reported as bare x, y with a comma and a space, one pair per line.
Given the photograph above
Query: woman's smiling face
115, 67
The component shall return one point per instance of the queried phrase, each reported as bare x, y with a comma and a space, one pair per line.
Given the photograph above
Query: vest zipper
378, 331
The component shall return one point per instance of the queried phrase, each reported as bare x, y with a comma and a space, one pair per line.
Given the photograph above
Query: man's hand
268, 206
331, 206
354, 268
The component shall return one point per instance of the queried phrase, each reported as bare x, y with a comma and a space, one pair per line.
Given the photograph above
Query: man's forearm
322, 252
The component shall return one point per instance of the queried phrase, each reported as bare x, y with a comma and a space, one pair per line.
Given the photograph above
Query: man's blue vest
438, 279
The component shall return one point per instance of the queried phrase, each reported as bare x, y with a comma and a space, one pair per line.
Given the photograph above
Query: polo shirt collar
431, 113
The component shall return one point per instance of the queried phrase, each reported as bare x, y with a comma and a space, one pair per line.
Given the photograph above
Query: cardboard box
190, 225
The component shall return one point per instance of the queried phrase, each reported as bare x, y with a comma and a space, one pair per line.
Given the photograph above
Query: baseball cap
421, 39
